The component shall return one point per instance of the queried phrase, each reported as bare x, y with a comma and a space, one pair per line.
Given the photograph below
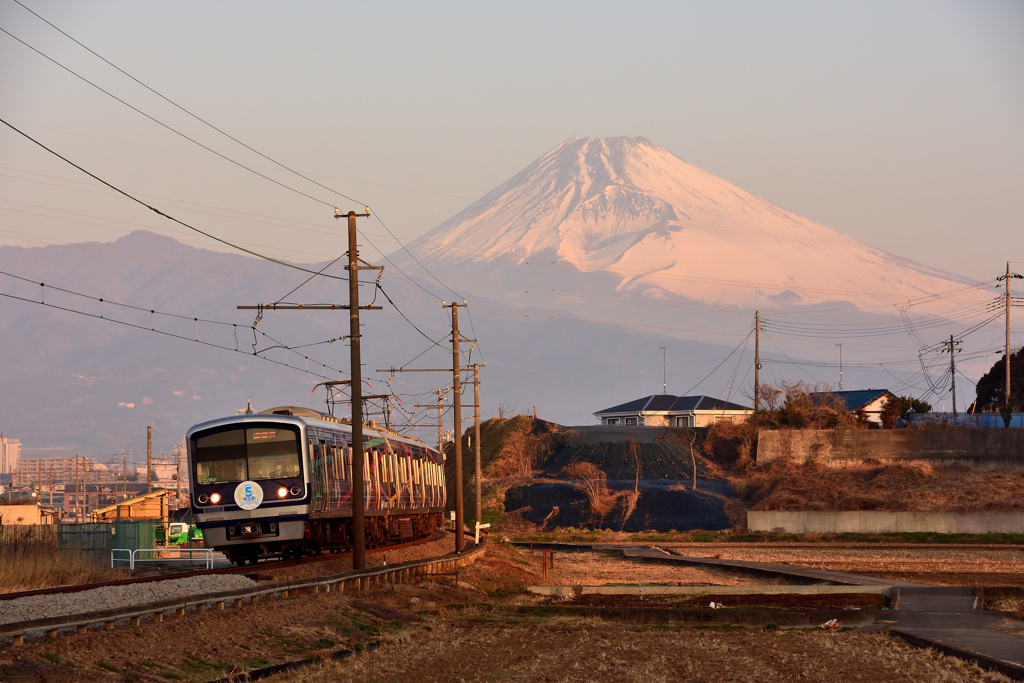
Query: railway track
271, 565
155, 612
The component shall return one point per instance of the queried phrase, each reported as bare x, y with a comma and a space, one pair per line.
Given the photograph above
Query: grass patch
255, 663
30, 565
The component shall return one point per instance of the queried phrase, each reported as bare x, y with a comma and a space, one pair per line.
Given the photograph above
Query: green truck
177, 533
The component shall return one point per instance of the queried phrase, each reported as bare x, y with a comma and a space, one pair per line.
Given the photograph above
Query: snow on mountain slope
665, 229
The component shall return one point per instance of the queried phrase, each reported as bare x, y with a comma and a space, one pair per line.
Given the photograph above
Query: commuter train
279, 484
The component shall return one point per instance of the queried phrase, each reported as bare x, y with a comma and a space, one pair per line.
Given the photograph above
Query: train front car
250, 490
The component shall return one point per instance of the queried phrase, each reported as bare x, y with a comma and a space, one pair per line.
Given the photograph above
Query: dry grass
30, 566
913, 486
591, 652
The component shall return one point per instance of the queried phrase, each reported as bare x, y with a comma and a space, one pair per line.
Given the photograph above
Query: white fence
132, 556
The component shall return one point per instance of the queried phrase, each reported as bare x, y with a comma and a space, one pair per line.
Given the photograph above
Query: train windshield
247, 454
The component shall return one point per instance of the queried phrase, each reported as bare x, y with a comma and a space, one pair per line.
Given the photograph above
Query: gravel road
109, 597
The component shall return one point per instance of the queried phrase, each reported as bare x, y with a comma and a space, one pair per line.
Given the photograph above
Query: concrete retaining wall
875, 522
980, 448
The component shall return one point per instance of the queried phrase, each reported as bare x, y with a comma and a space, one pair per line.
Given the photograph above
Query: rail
405, 572
134, 560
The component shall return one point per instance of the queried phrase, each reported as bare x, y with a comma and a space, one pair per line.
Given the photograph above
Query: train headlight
203, 498
296, 490
282, 492
214, 498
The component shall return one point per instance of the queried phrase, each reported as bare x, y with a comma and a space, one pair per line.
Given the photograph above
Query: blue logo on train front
248, 495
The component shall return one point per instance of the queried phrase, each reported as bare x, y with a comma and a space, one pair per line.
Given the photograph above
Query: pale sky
900, 123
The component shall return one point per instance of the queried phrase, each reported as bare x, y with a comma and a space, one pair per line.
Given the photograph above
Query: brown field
450, 652
938, 565
466, 632
597, 568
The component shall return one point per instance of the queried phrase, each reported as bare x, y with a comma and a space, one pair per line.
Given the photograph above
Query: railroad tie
82, 628
108, 625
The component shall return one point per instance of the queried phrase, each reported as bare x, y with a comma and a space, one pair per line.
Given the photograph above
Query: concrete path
950, 619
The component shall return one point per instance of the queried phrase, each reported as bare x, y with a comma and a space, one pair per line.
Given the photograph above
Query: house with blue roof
665, 410
865, 402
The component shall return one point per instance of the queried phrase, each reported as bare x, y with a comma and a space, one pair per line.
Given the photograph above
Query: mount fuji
624, 219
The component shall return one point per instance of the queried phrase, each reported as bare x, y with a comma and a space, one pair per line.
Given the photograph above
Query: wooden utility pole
149, 459
476, 438
460, 537
1007, 277
757, 360
124, 474
355, 264
358, 511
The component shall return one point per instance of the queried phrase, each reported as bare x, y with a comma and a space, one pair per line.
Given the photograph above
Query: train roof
305, 415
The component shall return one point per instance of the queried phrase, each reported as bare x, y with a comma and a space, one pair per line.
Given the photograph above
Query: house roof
667, 403
855, 400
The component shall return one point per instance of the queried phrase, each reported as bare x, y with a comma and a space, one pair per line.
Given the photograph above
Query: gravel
110, 597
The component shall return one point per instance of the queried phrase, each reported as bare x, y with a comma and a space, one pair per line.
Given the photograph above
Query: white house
665, 410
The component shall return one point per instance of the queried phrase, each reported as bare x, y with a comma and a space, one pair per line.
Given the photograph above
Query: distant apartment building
10, 452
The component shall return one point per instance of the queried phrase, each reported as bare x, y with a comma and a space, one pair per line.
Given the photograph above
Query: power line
152, 328
165, 215
229, 136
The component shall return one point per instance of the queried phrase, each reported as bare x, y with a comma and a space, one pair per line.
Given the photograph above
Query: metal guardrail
404, 572
134, 560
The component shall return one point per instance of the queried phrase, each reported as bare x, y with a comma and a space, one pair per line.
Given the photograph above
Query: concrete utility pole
840, 345
149, 459
460, 538
1009, 276
476, 439
757, 360
664, 370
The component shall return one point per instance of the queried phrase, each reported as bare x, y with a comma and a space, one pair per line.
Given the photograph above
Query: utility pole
177, 452
951, 347
460, 538
149, 459
840, 345
440, 420
358, 511
1009, 276
355, 264
124, 474
757, 360
77, 497
664, 370
476, 439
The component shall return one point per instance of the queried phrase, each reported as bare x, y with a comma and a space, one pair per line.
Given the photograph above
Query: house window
683, 421
612, 421
724, 418
630, 421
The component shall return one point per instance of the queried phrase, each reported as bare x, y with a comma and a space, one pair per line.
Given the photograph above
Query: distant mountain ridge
661, 228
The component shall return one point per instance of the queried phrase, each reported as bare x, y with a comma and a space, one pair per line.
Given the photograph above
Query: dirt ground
470, 627
564, 653
862, 601
938, 565
598, 568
